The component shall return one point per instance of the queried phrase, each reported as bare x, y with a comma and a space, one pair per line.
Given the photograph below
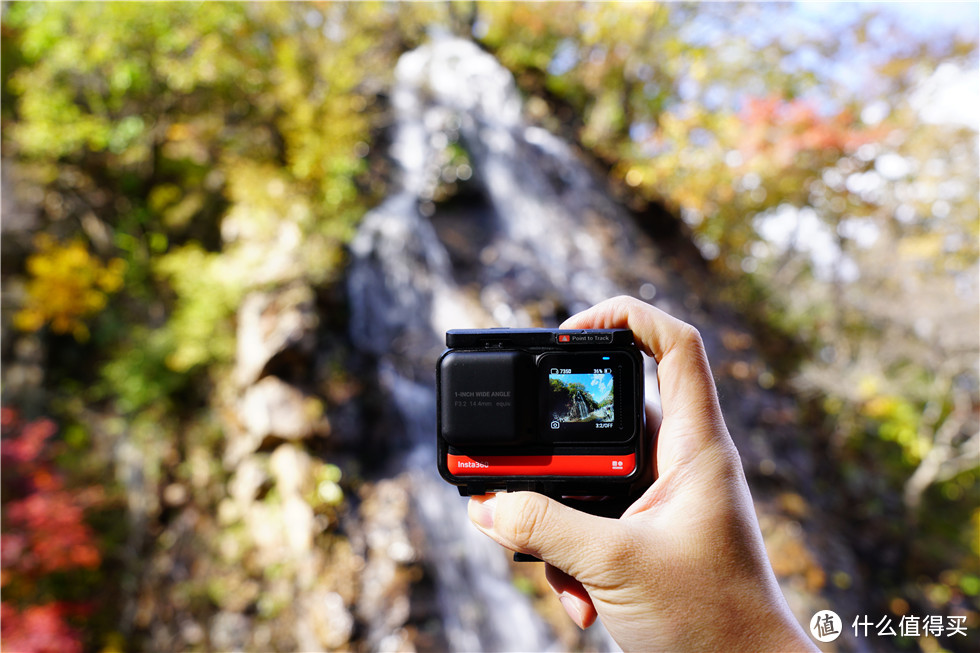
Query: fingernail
573, 607
481, 512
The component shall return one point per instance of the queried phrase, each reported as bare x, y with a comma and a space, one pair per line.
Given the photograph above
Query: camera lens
486, 397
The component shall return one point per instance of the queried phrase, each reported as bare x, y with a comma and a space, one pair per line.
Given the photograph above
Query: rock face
272, 408
276, 334
273, 323
299, 556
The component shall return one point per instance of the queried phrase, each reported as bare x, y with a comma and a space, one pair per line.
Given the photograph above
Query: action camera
554, 411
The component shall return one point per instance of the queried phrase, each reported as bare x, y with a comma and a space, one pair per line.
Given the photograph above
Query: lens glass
487, 398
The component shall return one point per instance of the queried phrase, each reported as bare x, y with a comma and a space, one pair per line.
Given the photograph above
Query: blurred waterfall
543, 239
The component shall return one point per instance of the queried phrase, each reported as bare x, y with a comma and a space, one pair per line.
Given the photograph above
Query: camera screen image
581, 398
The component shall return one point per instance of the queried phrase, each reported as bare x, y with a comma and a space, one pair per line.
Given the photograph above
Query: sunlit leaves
66, 286
245, 122
208, 291
40, 628
898, 421
44, 533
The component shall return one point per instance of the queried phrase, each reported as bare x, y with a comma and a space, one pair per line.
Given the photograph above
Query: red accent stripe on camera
594, 465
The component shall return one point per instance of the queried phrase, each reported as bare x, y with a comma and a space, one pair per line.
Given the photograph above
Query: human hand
685, 566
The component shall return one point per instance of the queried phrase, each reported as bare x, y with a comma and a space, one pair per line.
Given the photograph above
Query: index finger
686, 383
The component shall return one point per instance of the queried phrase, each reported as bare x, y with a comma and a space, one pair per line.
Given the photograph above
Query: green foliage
899, 422
328, 492
209, 291
180, 156
198, 137
138, 374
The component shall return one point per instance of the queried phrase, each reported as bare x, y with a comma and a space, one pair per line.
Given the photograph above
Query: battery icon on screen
607, 371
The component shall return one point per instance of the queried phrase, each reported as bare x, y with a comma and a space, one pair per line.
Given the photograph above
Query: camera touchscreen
581, 399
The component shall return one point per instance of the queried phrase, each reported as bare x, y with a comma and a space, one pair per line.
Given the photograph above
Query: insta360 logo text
471, 464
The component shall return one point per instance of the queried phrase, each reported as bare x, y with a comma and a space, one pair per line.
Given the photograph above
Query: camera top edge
538, 337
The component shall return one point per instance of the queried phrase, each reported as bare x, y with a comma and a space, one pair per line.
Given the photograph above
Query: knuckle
689, 343
627, 303
690, 337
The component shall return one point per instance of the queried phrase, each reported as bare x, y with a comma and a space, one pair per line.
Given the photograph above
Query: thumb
533, 523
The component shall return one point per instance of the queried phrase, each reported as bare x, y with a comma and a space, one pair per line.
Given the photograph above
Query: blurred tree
193, 153
174, 122
67, 284
45, 542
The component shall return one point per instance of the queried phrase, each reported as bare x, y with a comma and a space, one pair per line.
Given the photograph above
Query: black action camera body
554, 411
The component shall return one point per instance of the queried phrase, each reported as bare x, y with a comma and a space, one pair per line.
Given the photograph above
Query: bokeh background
233, 234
